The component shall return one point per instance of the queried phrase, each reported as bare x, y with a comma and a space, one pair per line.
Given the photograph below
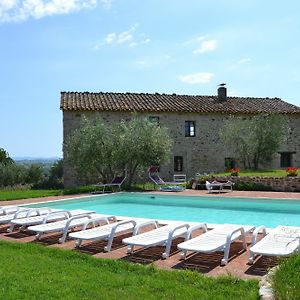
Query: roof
141, 102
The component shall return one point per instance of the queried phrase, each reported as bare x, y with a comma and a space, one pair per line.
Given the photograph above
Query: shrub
251, 186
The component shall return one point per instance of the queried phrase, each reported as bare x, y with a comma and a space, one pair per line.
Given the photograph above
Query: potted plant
234, 171
292, 172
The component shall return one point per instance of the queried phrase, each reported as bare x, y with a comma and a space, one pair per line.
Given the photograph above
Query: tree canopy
4, 157
254, 140
102, 150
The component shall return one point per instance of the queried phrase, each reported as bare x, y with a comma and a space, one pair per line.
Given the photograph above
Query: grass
24, 194
258, 173
286, 281
31, 271
6, 195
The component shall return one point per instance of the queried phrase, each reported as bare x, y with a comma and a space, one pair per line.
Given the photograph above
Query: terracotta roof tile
172, 103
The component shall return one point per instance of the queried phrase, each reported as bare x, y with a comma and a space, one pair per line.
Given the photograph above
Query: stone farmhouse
194, 123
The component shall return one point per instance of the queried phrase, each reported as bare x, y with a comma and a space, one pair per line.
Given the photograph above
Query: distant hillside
35, 160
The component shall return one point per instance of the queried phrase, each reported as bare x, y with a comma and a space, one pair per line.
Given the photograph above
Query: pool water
216, 210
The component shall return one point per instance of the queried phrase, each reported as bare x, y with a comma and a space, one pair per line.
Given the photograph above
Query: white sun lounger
218, 239
9, 209
68, 223
22, 213
108, 232
52, 215
162, 236
280, 241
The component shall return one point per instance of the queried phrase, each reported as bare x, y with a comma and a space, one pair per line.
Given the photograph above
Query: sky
164, 46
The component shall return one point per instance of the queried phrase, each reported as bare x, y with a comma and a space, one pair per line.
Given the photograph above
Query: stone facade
277, 184
202, 153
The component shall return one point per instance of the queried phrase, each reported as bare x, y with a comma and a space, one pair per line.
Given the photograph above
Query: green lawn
31, 271
267, 173
24, 194
287, 279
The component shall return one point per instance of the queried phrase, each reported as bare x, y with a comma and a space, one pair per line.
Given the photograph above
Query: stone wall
278, 184
203, 153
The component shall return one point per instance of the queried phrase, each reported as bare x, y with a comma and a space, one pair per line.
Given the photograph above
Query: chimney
222, 92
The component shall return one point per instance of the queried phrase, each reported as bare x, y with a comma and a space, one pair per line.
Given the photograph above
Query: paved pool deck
205, 263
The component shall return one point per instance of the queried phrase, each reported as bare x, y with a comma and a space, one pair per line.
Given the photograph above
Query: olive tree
101, 150
256, 139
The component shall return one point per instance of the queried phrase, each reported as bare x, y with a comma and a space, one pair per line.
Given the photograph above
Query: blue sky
183, 47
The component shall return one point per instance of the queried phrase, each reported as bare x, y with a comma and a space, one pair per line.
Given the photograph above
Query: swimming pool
213, 209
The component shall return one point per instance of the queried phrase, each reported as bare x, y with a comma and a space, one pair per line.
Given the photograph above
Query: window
286, 159
178, 163
190, 128
154, 120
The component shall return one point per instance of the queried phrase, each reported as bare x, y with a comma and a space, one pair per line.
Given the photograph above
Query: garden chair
116, 182
161, 184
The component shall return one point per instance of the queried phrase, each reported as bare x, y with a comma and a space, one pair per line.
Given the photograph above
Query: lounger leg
224, 261
130, 249
109, 244
183, 254
78, 243
11, 228
63, 238
38, 236
251, 258
168, 249
243, 238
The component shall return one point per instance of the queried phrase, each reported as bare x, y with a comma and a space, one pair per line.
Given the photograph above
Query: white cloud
196, 78
206, 46
21, 10
110, 38
244, 60
107, 3
238, 63
143, 64
128, 37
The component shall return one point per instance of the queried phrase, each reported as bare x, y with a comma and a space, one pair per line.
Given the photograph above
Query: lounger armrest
257, 230
170, 239
68, 223
144, 224
94, 220
193, 228
114, 228
62, 214
16, 215
174, 229
43, 211
230, 234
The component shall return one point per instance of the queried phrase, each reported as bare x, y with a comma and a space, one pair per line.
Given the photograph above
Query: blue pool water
219, 210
